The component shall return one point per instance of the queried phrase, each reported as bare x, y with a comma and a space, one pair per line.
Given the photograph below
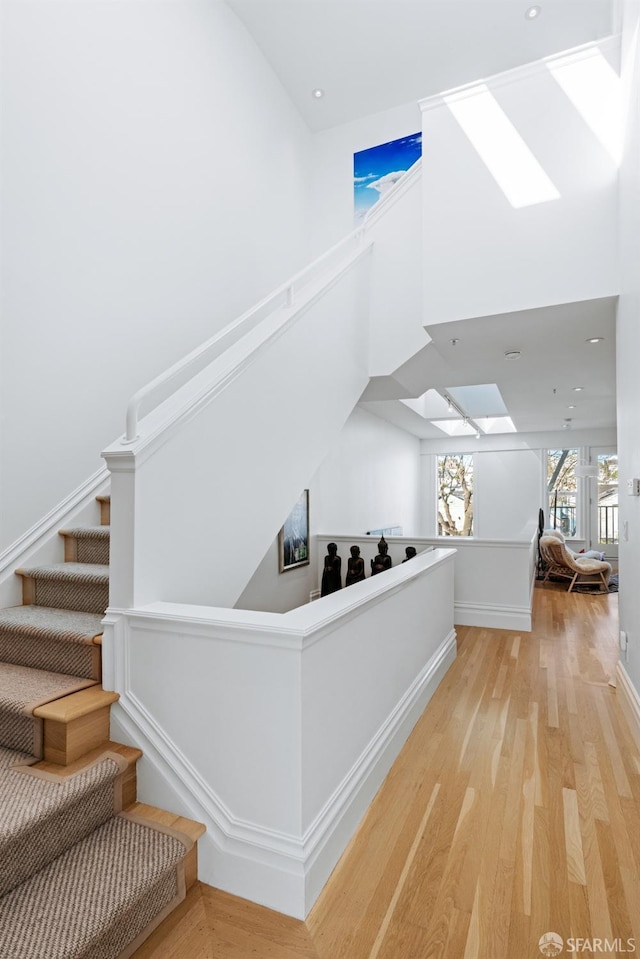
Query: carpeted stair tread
81, 586
86, 532
43, 815
66, 625
98, 898
23, 689
68, 572
59, 640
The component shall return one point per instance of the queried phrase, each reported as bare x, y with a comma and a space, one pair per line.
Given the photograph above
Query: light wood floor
512, 811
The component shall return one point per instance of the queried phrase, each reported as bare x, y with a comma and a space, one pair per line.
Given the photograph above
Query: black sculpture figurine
382, 561
355, 567
331, 575
409, 553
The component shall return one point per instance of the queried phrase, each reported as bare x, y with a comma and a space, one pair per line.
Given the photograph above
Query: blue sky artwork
379, 167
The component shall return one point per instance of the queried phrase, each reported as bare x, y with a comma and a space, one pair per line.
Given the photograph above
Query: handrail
282, 295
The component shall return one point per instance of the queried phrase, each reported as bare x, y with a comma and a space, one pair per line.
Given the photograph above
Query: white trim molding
630, 701
493, 616
251, 729
281, 871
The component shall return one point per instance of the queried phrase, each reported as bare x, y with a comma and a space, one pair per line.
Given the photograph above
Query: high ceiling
372, 55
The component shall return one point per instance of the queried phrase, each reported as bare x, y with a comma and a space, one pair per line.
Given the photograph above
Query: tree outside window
562, 490
455, 495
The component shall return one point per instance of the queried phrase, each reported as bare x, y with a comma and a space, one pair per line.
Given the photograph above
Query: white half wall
155, 185
277, 730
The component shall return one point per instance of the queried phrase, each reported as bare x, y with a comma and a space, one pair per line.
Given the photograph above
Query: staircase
86, 872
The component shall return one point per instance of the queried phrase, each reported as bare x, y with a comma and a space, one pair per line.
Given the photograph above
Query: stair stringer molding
282, 871
41, 544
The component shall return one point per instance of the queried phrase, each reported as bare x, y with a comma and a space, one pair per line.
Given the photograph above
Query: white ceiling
537, 388
372, 55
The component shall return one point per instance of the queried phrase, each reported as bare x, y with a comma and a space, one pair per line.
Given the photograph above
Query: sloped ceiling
371, 55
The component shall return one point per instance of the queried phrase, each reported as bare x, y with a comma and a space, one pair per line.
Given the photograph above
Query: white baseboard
282, 872
630, 701
493, 616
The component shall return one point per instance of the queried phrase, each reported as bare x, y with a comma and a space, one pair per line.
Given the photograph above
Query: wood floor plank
512, 811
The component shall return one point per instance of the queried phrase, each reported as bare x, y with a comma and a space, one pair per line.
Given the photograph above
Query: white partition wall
484, 256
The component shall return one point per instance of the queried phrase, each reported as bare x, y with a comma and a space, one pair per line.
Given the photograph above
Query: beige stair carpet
23, 689
99, 899
58, 640
42, 815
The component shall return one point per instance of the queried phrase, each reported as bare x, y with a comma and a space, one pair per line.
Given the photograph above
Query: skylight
495, 424
595, 90
501, 148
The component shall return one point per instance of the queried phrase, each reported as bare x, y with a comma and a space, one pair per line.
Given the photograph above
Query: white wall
369, 479
628, 351
154, 186
481, 255
507, 492
333, 149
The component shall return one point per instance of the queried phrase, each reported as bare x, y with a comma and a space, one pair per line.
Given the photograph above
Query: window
455, 494
562, 490
607, 502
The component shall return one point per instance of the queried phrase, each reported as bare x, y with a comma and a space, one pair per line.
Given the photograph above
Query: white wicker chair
561, 562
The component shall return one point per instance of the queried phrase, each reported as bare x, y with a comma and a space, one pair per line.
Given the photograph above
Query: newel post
121, 465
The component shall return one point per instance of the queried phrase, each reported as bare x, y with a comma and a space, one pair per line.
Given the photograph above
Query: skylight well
595, 90
501, 148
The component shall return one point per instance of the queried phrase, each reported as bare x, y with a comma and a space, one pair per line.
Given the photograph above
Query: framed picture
378, 168
293, 539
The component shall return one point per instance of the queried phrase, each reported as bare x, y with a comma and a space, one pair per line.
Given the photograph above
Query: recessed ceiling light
578, 389
532, 12
512, 355
595, 339
317, 93
571, 406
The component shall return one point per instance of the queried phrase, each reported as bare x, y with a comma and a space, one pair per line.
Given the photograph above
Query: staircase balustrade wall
201, 494
276, 730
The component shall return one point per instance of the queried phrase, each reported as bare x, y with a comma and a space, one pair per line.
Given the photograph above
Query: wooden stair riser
105, 509
66, 742
75, 724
